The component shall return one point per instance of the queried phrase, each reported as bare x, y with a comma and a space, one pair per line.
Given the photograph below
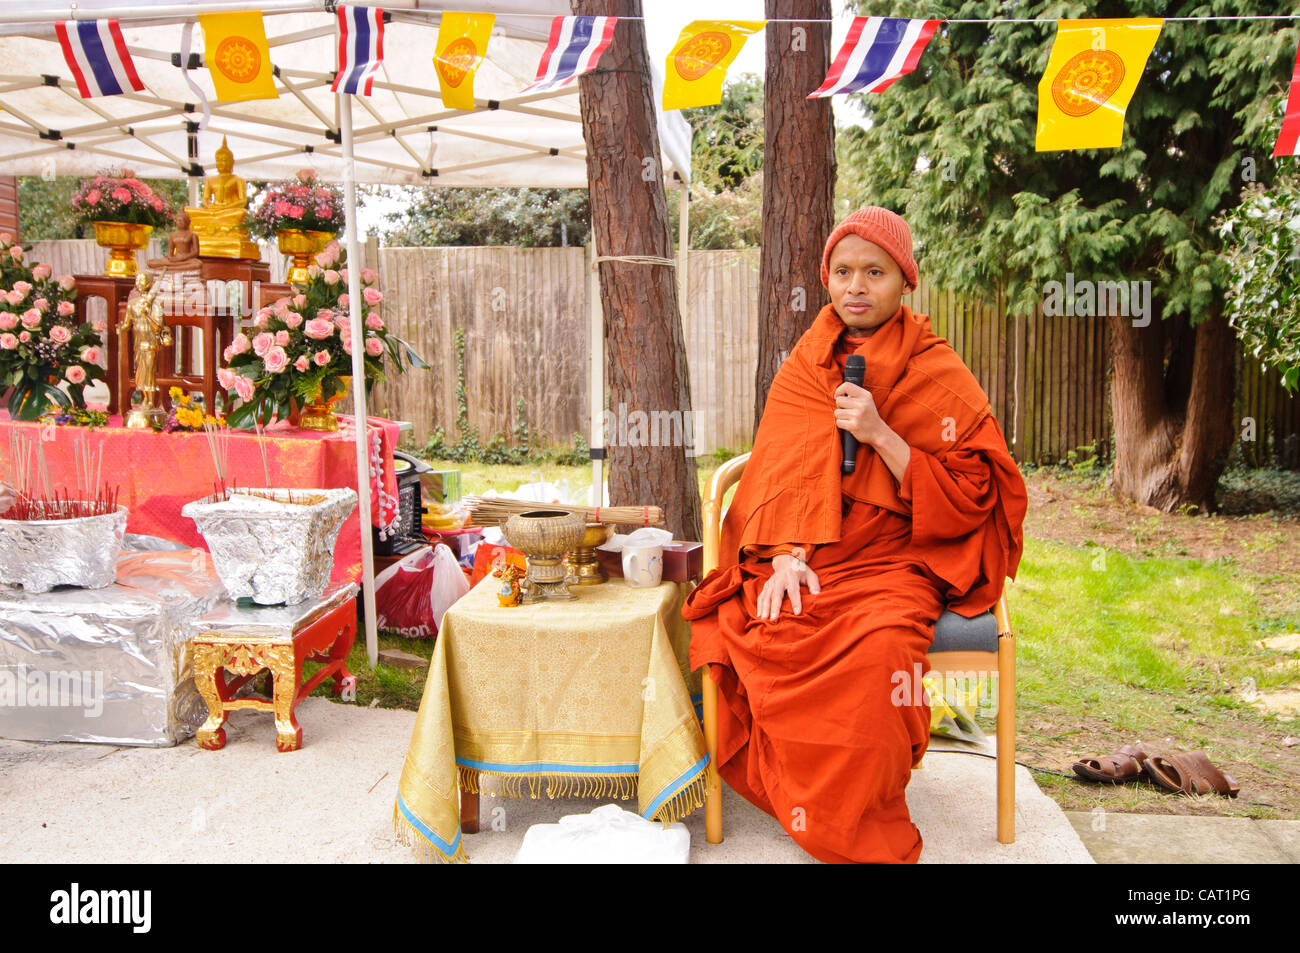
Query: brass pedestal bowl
544, 536
581, 562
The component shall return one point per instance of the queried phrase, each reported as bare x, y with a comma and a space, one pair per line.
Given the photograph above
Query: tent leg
358, 378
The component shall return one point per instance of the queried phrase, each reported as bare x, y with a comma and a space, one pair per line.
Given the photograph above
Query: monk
829, 585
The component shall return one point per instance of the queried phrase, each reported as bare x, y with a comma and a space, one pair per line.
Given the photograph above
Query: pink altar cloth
158, 473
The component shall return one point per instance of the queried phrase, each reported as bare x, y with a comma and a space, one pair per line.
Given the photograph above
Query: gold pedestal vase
301, 246
122, 239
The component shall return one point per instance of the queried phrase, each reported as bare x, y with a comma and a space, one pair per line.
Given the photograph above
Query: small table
582, 698
243, 640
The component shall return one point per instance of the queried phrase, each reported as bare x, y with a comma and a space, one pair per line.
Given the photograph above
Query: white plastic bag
608, 835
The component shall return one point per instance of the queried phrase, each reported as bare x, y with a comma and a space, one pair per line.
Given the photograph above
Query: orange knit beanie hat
884, 228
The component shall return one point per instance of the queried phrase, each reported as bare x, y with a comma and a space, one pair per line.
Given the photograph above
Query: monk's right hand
788, 574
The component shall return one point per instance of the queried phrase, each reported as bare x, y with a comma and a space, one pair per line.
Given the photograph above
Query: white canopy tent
402, 135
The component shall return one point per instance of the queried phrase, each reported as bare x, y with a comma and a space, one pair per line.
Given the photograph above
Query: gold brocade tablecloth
590, 696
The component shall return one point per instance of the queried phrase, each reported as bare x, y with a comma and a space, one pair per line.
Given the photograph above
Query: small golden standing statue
144, 315
220, 220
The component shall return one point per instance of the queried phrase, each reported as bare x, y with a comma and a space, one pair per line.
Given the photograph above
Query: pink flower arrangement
42, 340
303, 346
118, 196
299, 203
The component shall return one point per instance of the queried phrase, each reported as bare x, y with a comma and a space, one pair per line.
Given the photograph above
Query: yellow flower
174, 393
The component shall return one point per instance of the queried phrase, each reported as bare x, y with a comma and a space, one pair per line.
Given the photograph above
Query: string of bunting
1091, 75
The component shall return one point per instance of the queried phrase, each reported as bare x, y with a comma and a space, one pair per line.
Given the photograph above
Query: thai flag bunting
97, 55
877, 51
574, 48
361, 49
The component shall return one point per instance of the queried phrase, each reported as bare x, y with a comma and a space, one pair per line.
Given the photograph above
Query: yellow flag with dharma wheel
698, 62
462, 44
1091, 75
236, 54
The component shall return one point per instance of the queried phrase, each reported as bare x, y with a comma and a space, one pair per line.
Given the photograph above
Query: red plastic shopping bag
412, 595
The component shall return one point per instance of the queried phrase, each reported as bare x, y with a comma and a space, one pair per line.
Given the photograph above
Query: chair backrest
723, 478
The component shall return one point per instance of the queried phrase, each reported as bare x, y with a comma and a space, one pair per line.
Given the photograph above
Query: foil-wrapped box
107, 665
273, 546
41, 554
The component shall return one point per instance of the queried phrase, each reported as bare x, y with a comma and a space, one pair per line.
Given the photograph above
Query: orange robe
810, 728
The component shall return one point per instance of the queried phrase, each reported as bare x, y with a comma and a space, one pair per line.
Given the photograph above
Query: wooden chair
961, 645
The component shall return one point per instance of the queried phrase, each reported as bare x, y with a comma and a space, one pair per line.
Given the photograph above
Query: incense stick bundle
487, 512
261, 445
219, 447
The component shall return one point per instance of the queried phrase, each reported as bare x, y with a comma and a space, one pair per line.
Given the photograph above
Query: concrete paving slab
332, 801
1285, 835
1114, 838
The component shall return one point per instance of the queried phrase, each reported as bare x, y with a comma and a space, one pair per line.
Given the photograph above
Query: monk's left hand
855, 411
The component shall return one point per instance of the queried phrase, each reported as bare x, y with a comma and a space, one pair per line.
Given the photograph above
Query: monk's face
866, 285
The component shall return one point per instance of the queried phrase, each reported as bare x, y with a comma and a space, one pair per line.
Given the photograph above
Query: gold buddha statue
220, 220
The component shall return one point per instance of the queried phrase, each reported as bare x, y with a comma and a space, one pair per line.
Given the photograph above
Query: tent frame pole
358, 377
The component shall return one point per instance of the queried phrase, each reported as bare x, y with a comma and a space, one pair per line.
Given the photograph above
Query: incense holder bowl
544, 536
41, 554
273, 546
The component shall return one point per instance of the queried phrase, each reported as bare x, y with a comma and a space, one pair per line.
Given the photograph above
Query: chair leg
713, 788
1006, 744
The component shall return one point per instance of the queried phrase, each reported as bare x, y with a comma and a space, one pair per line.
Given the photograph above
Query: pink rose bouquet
302, 344
118, 196
47, 355
302, 202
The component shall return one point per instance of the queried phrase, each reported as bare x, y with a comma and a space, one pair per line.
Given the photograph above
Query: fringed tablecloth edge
409, 835
559, 784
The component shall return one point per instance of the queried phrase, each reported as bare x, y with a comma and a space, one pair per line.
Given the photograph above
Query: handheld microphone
855, 368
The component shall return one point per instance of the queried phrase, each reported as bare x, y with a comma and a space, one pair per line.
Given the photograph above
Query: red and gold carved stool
240, 641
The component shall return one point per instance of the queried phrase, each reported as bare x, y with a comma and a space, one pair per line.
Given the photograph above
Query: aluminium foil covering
111, 665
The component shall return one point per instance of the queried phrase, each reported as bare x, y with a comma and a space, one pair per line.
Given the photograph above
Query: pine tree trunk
798, 184
1172, 412
646, 352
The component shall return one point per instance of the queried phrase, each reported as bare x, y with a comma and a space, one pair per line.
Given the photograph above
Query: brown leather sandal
1189, 772
1119, 768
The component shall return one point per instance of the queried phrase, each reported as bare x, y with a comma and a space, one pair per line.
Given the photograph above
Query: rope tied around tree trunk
635, 260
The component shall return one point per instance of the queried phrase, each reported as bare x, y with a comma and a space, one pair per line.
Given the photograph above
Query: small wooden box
683, 561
